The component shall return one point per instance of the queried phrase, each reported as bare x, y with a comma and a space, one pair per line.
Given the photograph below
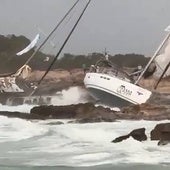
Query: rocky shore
157, 108
56, 80
88, 113
60, 79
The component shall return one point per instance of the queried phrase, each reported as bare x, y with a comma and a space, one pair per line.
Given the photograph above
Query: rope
66, 40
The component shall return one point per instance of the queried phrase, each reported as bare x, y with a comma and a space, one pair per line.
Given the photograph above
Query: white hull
115, 88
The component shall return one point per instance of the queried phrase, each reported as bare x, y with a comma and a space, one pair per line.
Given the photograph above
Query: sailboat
13, 85
8, 86
111, 86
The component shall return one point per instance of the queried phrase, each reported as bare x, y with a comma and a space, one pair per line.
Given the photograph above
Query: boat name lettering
123, 90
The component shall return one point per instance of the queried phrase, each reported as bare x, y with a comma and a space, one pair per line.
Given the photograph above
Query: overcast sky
122, 26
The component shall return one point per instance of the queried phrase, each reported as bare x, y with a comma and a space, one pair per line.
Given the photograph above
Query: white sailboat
111, 86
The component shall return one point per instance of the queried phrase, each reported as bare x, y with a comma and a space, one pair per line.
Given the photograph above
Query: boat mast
47, 38
60, 50
60, 22
153, 57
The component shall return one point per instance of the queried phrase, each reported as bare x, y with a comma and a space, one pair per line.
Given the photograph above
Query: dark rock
163, 142
121, 138
19, 115
165, 138
54, 112
83, 113
147, 112
137, 134
157, 132
55, 123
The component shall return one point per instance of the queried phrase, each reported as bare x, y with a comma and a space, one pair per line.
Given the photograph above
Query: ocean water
45, 145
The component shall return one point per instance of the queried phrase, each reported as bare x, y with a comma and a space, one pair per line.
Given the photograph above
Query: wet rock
20, 115
55, 123
121, 138
161, 132
147, 112
137, 134
80, 113
165, 138
83, 113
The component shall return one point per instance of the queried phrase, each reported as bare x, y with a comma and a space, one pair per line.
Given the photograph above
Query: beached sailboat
8, 82
112, 86
14, 91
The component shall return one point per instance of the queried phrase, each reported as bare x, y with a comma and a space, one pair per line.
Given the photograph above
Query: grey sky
122, 26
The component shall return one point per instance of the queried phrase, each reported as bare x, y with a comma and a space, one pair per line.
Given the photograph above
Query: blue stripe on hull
107, 98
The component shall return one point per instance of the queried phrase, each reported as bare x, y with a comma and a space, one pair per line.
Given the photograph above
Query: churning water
44, 144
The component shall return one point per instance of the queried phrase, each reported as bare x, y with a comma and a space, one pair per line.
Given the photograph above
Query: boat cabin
107, 67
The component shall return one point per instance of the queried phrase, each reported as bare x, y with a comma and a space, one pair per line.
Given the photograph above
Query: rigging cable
35, 52
153, 57
66, 40
162, 75
47, 38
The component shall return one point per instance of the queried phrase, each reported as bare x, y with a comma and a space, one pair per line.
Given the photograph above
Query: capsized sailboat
112, 86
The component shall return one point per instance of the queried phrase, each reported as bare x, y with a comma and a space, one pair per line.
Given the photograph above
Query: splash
73, 95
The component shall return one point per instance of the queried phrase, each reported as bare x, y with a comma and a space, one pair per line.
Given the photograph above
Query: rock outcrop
83, 113
137, 134
80, 113
147, 111
161, 132
87, 112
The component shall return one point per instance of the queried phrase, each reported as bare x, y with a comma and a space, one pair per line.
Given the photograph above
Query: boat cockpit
107, 67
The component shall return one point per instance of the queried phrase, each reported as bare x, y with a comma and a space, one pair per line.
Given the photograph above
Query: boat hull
107, 99
113, 91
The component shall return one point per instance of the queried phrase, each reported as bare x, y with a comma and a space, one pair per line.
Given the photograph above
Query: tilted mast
46, 39
155, 54
60, 22
63, 45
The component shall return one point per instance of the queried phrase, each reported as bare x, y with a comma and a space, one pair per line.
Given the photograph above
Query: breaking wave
46, 143
39, 143
73, 95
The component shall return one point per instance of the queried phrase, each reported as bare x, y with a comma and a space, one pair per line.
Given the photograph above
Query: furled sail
23, 72
30, 46
8, 84
159, 59
163, 59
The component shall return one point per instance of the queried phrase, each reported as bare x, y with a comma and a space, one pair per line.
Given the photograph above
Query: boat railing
111, 72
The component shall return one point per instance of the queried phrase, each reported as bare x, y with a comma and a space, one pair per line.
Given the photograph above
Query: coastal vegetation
10, 62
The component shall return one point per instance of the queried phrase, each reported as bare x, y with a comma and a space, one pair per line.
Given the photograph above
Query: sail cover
30, 46
163, 59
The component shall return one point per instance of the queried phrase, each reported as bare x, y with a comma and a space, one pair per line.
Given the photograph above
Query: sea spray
73, 95
25, 108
